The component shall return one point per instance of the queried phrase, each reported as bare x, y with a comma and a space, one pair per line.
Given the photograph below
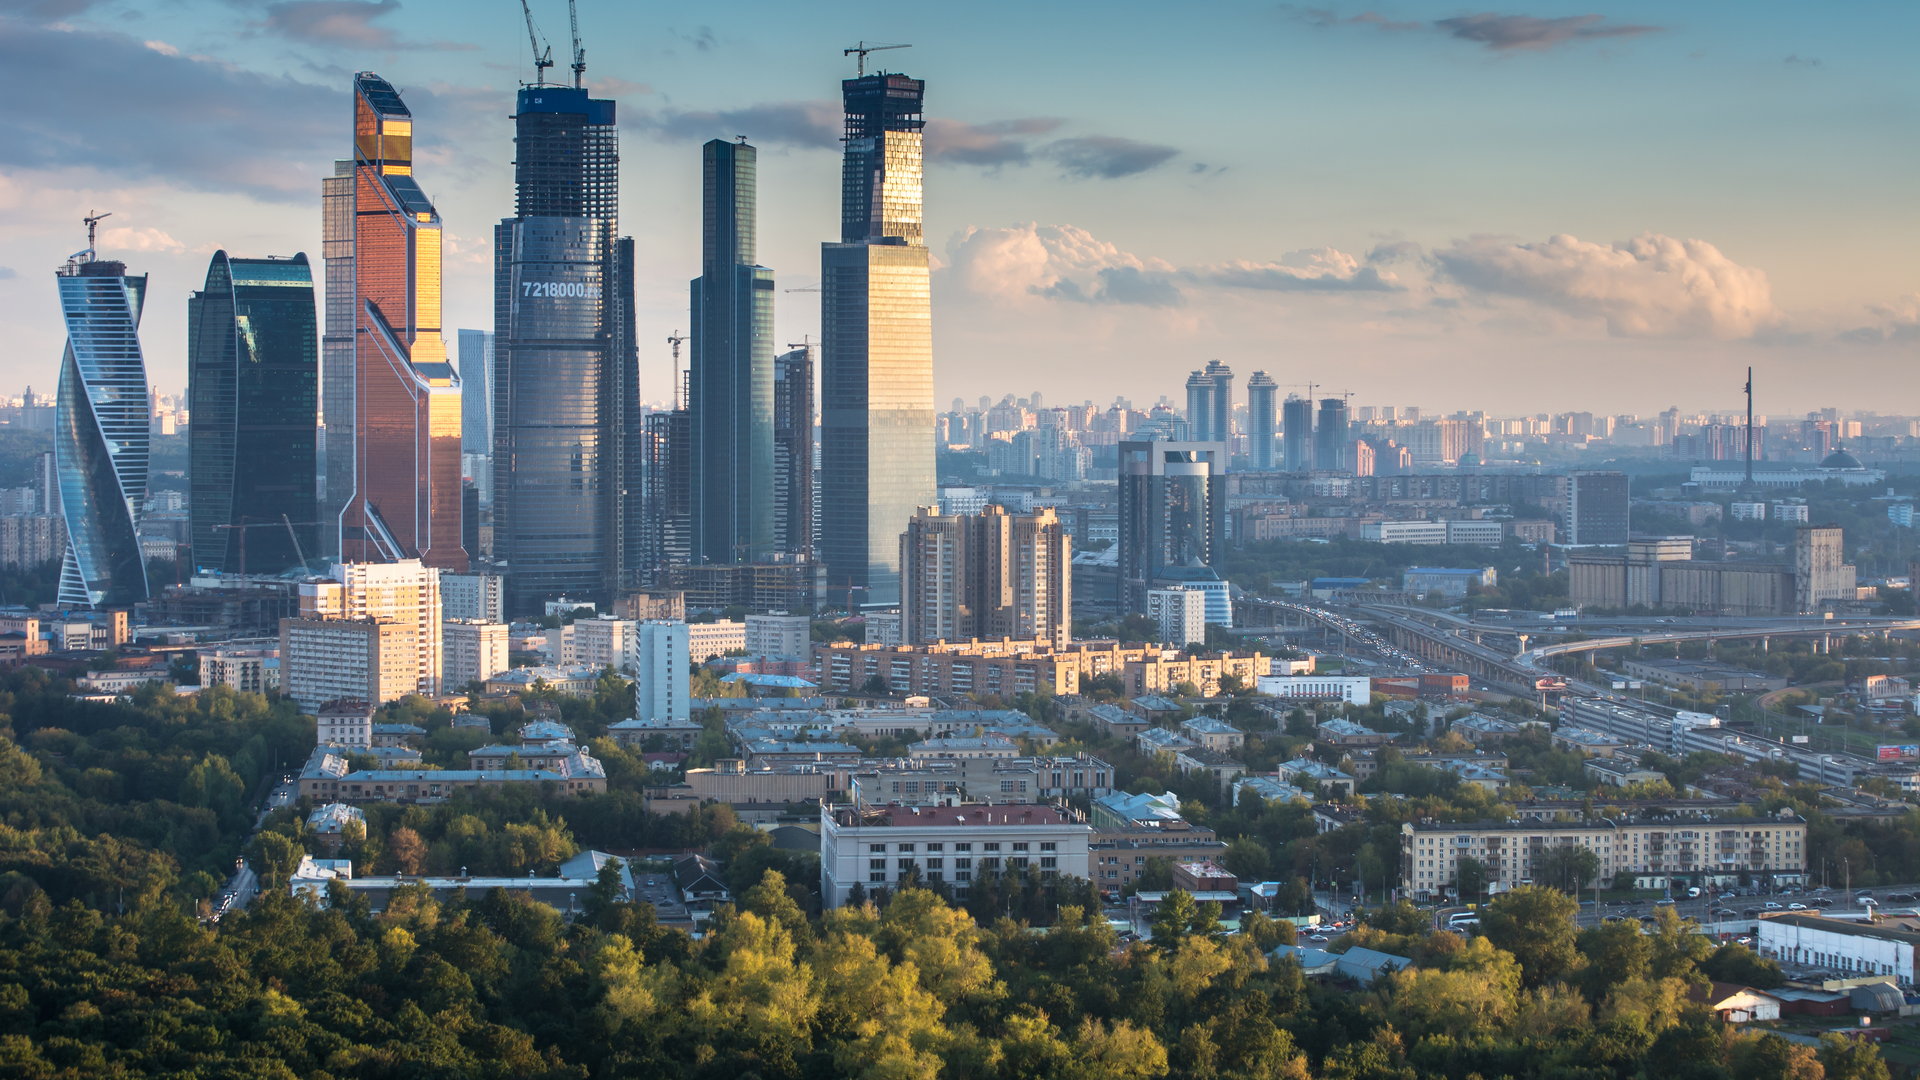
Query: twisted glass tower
876, 369
566, 467
101, 427
253, 372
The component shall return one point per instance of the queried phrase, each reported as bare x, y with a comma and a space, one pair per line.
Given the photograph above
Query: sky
1612, 205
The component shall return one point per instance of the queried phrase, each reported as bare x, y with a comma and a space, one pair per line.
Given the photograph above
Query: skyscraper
731, 368
1260, 419
793, 451
986, 575
1296, 433
337, 366
101, 433
876, 375
566, 374
406, 419
1332, 442
1220, 419
253, 387
1199, 407
1172, 512
476, 410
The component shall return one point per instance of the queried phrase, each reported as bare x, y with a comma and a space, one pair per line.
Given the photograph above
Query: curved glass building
253, 371
101, 427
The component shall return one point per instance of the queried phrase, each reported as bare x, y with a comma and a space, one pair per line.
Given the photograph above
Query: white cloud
1898, 321
142, 238
1650, 286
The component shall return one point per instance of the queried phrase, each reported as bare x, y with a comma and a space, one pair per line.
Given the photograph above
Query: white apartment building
708, 640
780, 634
1352, 689
1476, 532
344, 723
473, 596
1181, 614
1405, 532
600, 642
400, 592
472, 650
1851, 948
657, 656
324, 660
1654, 852
877, 847
252, 671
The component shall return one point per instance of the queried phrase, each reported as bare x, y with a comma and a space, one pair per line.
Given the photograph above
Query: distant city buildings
658, 660
986, 575
1172, 512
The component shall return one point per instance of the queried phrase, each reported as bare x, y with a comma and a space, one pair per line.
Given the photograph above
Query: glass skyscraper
337, 376
793, 451
406, 500
731, 370
1332, 442
1296, 433
1260, 419
101, 426
253, 371
476, 412
876, 371
566, 469
1172, 513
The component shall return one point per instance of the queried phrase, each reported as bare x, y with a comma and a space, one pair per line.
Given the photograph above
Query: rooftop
972, 815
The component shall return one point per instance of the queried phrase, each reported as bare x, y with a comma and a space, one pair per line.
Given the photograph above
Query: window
964, 845
963, 875
877, 849
935, 864
1048, 862
1019, 845
880, 879
963, 864
936, 847
991, 845
990, 864
876, 864
906, 847
1018, 862
1048, 845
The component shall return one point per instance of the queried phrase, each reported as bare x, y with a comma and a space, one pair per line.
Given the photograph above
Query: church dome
1840, 459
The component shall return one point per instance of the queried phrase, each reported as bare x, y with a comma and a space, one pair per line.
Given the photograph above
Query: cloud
1065, 262
1106, 157
1650, 286
7, 273
346, 24
804, 125
1796, 60
986, 145
109, 102
1897, 322
46, 10
700, 37
146, 239
1500, 33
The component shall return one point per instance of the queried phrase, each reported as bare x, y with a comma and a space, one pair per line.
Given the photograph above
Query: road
244, 885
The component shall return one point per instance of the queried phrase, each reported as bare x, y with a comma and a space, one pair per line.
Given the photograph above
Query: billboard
1900, 752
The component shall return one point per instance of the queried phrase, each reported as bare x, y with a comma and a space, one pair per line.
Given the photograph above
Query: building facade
566, 397
1181, 614
404, 593
878, 848
658, 660
1262, 421
472, 650
253, 388
991, 574
876, 377
1172, 511
324, 660
793, 519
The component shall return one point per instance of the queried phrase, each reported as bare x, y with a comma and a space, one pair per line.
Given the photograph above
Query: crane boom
542, 58
579, 54
861, 49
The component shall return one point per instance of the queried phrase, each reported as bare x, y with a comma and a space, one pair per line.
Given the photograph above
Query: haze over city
1615, 209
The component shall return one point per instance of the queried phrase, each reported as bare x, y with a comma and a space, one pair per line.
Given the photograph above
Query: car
1902, 897
1865, 898
1796, 907
1773, 905
1823, 901
1725, 913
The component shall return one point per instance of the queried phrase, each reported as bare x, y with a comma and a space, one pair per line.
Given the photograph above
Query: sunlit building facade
1262, 422
101, 433
1172, 512
253, 370
876, 370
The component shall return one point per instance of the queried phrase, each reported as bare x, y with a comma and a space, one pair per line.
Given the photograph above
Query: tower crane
283, 523
861, 49
579, 54
542, 58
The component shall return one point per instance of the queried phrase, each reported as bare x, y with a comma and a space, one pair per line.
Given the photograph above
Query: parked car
1773, 905
1796, 907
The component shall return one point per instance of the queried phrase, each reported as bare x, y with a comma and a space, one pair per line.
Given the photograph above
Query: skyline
1727, 182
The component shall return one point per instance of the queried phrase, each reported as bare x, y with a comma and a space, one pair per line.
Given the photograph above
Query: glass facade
1296, 434
876, 374
476, 413
731, 369
793, 479
336, 351
566, 468
1332, 443
101, 431
1172, 512
253, 388
1261, 425
406, 432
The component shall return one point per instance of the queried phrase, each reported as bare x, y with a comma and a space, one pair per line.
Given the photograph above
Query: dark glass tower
1199, 407
476, 414
793, 451
731, 369
876, 373
1260, 419
101, 432
1172, 514
1296, 433
1332, 442
1220, 420
253, 384
565, 373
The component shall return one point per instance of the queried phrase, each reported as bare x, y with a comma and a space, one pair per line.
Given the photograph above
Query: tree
1568, 867
1470, 879
1851, 1059
1536, 925
407, 851
1174, 917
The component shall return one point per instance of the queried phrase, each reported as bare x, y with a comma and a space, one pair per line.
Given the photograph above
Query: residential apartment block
878, 847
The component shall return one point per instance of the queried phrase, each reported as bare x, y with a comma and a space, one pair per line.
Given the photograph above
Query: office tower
565, 370
1332, 442
667, 493
1296, 434
1199, 407
101, 432
405, 593
473, 596
472, 650
1172, 512
876, 376
659, 658
337, 375
1261, 419
324, 660
793, 451
1220, 418
253, 387
1596, 508
406, 419
476, 412
1180, 613
986, 575
731, 370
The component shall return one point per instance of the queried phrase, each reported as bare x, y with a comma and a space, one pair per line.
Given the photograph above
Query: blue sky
1532, 207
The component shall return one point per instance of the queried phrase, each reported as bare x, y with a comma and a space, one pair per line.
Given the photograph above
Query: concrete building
1215, 735
1181, 614
1656, 853
707, 640
323, 660
1172, 511
779, 634
600, 642
658, 660
404, 592
252, 671
344, 723
1853, 949
1661, 572
1448, 582
328, 777
1595, 508
1012, 667
1352, 689
472, 651
473, 596
877, 847
991, 574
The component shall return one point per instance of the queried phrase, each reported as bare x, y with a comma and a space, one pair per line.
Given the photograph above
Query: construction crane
861, 49
283, 523
675, 340
542, 58
809, 288
579, 54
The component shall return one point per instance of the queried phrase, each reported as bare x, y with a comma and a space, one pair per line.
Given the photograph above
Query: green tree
1536, 925
1851, 1059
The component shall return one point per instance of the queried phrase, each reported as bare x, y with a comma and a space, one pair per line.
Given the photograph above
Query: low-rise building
1849, 947
249, 670
1352, 689
672, 733
877, 848
329, 776
1010, 667
1587, 741
1340, 732
1316, 775
1215, 735
1268, 789
1220, 768
1120, 856
1154, 740
344, 722
707, 640
565, 681
1449, 582
1619, 772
